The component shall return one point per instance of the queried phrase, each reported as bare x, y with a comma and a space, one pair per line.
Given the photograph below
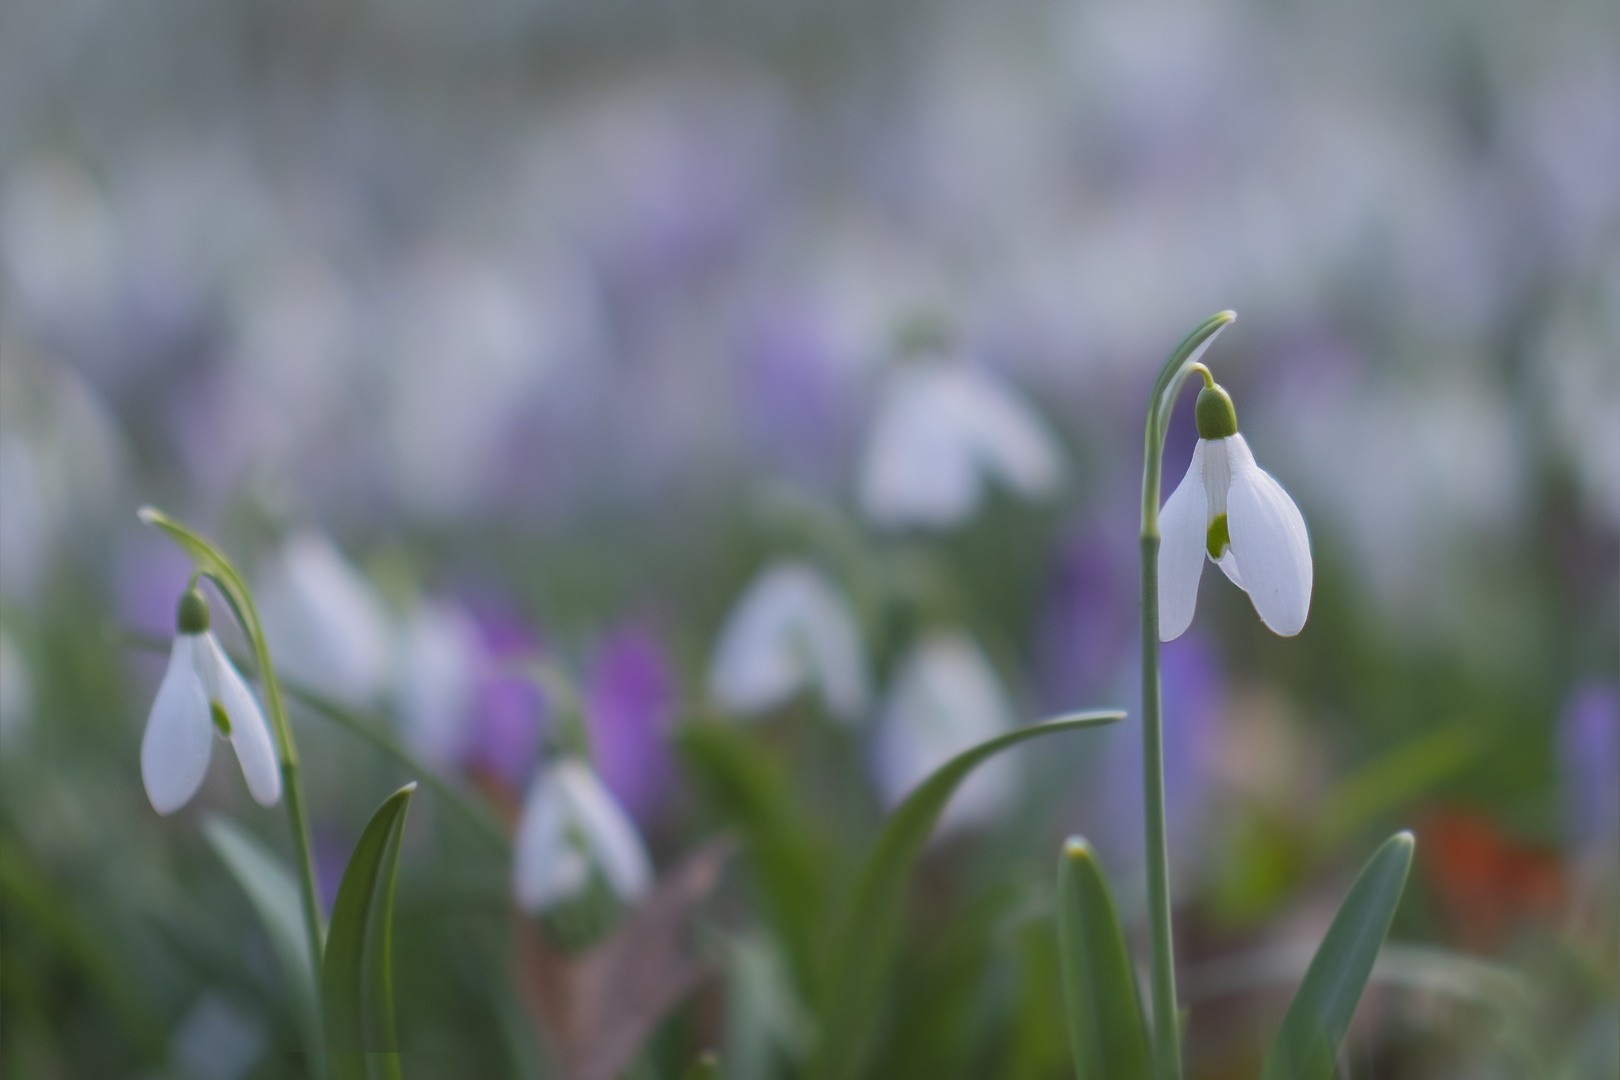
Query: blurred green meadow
747, 400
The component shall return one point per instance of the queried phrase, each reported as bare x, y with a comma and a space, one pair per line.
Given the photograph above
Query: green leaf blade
1320, 1013
863, 943
1103, 1009
357, 972
272, 889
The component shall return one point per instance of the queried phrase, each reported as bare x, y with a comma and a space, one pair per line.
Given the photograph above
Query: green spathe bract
1309, 1039
862, 946
357, 974
1104, 1014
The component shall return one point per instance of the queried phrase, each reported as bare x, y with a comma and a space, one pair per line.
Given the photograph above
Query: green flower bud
192, 617
1216, 417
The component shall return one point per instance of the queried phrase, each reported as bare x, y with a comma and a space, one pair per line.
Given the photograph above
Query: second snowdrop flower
202, 693
942, 434
571, 828
1232, 511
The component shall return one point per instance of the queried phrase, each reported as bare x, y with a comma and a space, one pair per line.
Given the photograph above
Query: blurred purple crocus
503, 736
1085, 628
630, 701
1589, 761
1193, 691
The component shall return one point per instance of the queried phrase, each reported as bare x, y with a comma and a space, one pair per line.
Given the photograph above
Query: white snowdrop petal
917, 468
1269, 543
790, 631
1004, 435
179, 734
250, 734
615, 847
1183, 529
946, 698
1229, 566
546, 868
324, 621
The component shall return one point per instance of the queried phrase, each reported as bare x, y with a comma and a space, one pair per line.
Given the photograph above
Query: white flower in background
941, 434
571, 826
791, 631
437, 671
201, 693
323, 621
945, 699
16, 692
1231, 510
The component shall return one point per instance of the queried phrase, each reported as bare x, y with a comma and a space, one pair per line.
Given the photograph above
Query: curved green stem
212, 562
1183, 361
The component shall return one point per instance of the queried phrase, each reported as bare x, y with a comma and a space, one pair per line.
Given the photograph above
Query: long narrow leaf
1326, 1000
1099, 987
273, 891
862, 946
357, 973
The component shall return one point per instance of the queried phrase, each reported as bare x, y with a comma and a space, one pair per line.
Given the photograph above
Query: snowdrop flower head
324, 621
572, 828
942, 433
1231, 511
945, 699
791, 631
202, 693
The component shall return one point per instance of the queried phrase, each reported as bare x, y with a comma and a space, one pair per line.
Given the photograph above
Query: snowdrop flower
1231, 510
790, 631
942, 432
324, 622
570, 827
201, 692
946, 698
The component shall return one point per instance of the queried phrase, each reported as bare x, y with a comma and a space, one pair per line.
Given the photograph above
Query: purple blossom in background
1193, 698
793, 404
150, 573
630, 701
1087, 626
1589, 760
508, 709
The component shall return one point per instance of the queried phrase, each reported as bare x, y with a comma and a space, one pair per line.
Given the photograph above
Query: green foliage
1099, 987
357, 972
272, 889
863, 944
1320, 1014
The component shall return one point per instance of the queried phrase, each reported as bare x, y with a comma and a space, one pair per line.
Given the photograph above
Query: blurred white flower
571, 826
217, 1040
324, 623
791, 631
941, 433
16, 692
1231, 510
945, 699
202, 692
437, 670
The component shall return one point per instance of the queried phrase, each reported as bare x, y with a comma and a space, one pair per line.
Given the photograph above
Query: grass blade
272, 889
863, 943
1308, 1042
1099, 987
357, 973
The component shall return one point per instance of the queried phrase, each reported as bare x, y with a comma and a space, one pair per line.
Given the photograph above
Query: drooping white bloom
570, 826
202, 693
1230, 510
324, 622
791, 631
942, 433
438, 664
946, 698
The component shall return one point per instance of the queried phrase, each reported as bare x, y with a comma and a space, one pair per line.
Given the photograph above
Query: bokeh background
561, 320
